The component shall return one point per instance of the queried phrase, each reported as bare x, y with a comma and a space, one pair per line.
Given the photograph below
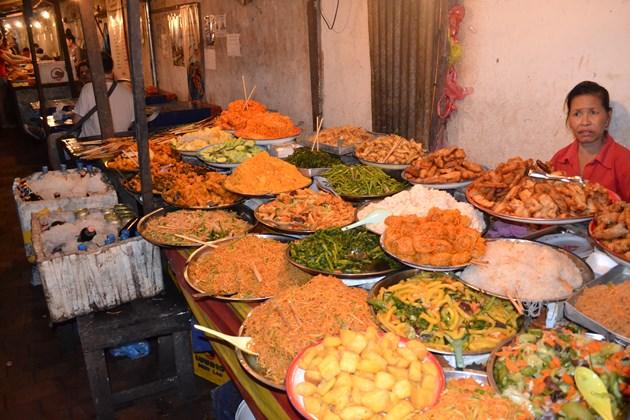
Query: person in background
7, 59
26, 52
83, 72
120, 102
593, 154
73, 48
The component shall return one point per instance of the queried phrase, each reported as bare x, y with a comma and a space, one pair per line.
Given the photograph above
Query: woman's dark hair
71, 37
588, 88
108, 63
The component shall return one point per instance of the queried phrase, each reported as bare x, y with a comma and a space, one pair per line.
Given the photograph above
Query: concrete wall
345, 62
522, 58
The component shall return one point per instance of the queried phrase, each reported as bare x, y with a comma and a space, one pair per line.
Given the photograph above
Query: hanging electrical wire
328, 25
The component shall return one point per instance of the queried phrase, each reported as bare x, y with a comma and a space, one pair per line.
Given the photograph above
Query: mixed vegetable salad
539, 366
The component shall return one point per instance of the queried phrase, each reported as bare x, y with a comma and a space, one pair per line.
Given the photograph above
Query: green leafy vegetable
307, 158
359, 180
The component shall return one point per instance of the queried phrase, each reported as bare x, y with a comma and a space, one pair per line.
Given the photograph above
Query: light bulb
45, 14
18, 24
37, 24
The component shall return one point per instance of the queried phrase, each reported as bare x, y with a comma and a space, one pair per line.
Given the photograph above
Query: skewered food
442, 238
306, 210
390, 149
300, 316
443, 166
508, 190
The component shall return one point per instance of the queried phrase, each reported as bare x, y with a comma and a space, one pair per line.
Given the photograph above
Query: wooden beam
312, 16
28, 18
86, 8
137, 80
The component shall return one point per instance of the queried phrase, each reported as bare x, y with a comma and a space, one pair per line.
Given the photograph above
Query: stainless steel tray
617, 275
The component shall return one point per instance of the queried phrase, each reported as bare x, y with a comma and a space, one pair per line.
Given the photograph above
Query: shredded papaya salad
539, 366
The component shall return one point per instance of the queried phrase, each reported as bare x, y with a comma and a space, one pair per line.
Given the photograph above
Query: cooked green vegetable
308, 159
333, 251
358, 180
232, 151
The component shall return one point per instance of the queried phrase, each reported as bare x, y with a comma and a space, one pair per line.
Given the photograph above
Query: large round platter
323, 184
222, 165
444, 186
204, 249
279, 228
269, 194
313, 172
278, 140
425, 267
532, 220
480, 377
241, 213
576, 244
353, 276
404, 275
618, 258
249, 363
295, 376
385, 166
222, 206
585, 270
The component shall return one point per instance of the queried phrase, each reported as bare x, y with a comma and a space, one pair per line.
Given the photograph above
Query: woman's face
588, 119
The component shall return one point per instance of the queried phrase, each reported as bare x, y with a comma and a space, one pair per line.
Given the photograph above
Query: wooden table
265, 402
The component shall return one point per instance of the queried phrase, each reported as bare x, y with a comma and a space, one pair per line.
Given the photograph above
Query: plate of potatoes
359, 375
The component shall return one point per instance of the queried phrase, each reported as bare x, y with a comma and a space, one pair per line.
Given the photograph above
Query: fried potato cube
329, 367
429, 369
376, 400
402, 363
305, 389
353, 341
329, 415
313, 405
343, 379
384, 380
415, 371
326, 386
355, 412
391, 357
365, 375
355, 396
309, 355
349, 361
402, 389
331, 341
421, 397
338, 396
312, 376
371, 365
398, 372
418, 348
400, 411
406, 354
362, 384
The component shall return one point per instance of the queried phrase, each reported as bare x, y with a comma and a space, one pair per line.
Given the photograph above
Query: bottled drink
87, 234
110, 239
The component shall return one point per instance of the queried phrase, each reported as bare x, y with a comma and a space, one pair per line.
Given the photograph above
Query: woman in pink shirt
594, 154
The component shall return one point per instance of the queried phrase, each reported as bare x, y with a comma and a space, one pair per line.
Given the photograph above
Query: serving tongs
241, 343
542, 175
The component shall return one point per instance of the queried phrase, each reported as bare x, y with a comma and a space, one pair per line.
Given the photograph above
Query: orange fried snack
268, 125
192, 190
238, 112
263, 174
441, 238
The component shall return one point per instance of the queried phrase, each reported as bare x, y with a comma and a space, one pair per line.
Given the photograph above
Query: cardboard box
207, 365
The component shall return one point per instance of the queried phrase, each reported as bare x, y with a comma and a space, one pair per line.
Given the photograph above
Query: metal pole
147, 8
61, 35
86, 7
137, 80
28, 17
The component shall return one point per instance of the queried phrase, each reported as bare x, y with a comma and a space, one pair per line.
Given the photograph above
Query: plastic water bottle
124, 234
110, 239
82, 247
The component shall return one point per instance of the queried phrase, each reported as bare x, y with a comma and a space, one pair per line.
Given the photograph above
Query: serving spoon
238, 342
594, 391
377, 216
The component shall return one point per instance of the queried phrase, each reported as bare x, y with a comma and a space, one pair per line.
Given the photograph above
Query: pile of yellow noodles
452, 309
465, 399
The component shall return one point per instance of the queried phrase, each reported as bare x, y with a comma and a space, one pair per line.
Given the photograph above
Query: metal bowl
268, 194
323, 184
404, 275
249, 363
228, 298
385, 166
242, 212
443, 186
425, 267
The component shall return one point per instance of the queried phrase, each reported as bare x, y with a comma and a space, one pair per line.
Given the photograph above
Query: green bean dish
361, 180
331, 251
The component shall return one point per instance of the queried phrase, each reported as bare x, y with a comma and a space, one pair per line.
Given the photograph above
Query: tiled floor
42, 374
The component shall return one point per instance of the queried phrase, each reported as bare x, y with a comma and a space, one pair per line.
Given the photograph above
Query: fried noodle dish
263, 174
195, 190
238, 112
443, 166
508, 190
466, 399
611, 228
306, 210
268, 125
233, 269
442, 238
614, 315
199, 224
298, 317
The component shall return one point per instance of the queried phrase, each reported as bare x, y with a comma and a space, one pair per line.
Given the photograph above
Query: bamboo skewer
394, 147
518, 305
319, 122
256, 273
249, 97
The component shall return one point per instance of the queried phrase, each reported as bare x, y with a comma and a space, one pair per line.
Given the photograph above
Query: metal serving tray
617, 275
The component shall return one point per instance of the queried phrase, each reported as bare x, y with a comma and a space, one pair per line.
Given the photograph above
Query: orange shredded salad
298, 317
268, 125
237, 113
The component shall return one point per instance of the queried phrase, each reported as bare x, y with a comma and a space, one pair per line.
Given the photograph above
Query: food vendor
594, 154
7, 58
